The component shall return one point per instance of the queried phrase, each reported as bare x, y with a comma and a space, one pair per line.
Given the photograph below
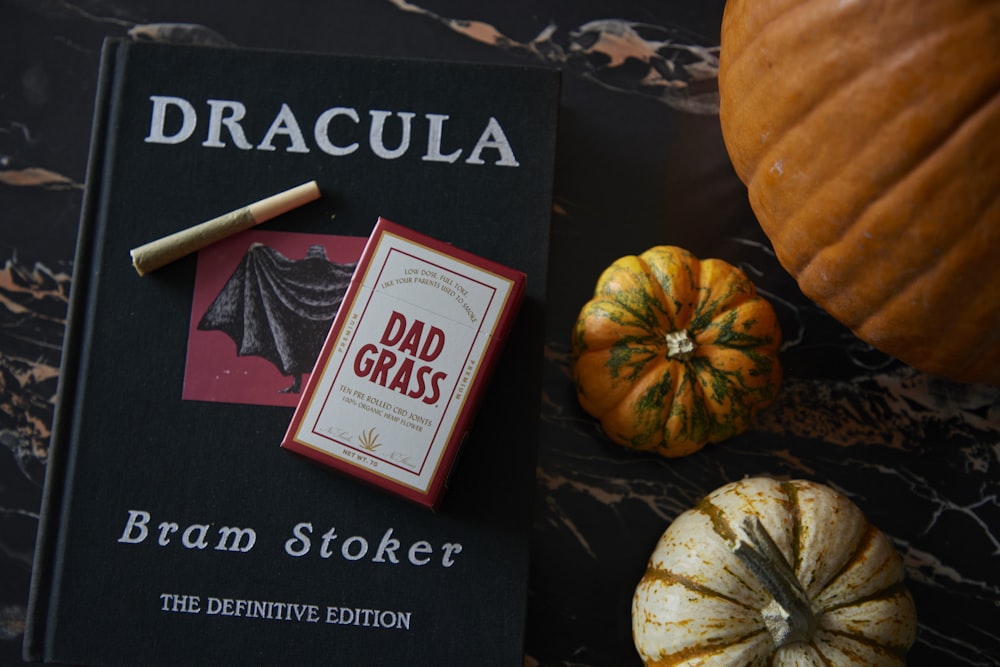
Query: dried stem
789, 617
679, 345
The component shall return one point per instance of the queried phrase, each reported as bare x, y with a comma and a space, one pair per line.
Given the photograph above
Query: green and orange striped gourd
673, 352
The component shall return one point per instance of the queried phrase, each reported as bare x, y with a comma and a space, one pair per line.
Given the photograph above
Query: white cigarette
161, 252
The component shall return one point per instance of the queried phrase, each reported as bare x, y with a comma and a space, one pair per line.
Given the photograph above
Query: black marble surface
640, 163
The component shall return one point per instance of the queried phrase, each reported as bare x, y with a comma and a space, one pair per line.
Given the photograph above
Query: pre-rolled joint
163, 251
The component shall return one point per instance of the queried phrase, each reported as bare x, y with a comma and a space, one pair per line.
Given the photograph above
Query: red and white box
397, 383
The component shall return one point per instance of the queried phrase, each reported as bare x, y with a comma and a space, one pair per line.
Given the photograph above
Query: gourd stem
790, 617
679, 345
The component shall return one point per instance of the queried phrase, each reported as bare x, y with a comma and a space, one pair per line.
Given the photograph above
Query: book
175, 529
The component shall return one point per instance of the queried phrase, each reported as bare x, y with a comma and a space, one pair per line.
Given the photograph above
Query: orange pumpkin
674, 352
868, 135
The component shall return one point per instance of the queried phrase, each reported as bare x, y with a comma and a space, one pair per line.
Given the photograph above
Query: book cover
175, 529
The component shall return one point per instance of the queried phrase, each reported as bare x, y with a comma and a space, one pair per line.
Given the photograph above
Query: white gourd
768, 572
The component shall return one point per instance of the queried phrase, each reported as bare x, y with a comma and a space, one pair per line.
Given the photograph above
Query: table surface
640, 163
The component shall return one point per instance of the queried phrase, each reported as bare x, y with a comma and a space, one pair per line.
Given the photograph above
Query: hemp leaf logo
369, 440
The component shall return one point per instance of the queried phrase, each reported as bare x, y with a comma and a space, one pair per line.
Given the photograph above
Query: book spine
47, 543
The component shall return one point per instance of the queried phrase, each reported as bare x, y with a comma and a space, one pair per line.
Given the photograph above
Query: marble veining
662, 61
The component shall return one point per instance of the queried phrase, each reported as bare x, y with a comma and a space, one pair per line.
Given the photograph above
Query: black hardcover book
175, 529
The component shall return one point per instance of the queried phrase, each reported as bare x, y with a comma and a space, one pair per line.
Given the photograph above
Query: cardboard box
396, 385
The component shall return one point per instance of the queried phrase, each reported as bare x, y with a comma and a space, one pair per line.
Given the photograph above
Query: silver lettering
375, 134
435, 129
217, 118
300, 544
135, 528
286, 124
157, 124
493, 137
321, 131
